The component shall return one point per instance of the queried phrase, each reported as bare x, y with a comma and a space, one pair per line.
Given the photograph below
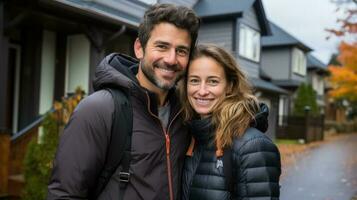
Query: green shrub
39, 155
306, 96
38, 159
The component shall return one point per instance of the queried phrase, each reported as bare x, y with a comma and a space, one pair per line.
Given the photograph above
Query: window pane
249, 43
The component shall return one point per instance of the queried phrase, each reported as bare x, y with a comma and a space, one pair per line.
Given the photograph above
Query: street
326, 172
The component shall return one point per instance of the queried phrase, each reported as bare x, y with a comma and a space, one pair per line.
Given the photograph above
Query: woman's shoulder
253, 140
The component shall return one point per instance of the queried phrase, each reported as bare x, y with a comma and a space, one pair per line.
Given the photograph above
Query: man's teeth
166, 70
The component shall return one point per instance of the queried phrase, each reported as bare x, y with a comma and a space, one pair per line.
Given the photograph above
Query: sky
307, 20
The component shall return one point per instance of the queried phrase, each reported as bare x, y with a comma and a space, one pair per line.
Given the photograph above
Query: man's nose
171, 57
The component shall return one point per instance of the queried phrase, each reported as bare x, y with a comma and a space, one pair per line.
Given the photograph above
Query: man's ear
138, 49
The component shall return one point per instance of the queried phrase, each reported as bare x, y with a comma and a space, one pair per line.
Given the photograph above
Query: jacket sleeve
258, 169
82, 148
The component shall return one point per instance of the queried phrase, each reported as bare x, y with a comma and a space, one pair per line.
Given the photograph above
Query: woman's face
206, 84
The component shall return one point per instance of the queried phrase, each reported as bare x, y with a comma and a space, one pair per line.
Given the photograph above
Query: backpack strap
118, 151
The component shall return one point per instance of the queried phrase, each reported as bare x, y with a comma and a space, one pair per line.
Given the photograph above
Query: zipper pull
167, 144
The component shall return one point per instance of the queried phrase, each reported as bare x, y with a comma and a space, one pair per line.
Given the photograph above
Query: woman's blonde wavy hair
235, 111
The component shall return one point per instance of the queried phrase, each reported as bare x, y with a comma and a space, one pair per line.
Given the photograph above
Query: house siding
250, 19
276, 63
219, 33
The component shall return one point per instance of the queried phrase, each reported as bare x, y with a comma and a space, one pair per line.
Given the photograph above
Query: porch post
5, 107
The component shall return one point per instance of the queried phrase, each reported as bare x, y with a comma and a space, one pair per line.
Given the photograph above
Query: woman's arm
257, 161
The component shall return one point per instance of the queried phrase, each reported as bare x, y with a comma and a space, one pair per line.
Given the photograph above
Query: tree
344, 75
305, 101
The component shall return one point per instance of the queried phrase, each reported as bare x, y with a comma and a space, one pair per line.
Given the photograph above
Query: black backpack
118, 151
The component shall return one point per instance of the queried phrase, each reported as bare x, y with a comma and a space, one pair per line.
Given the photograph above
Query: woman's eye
213, 82
193, 81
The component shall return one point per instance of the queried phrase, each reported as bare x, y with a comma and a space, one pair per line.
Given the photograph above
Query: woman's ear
229, 89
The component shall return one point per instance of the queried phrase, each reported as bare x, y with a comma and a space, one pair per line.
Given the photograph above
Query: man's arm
81, 153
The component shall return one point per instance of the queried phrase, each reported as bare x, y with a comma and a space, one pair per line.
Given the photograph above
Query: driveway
325, 172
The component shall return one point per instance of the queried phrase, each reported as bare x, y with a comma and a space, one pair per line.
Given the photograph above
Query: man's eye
182, 52
160, 46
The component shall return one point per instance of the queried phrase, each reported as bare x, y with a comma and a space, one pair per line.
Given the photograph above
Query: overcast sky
306, 21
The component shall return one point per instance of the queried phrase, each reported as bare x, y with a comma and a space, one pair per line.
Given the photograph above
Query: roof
224, 8
314, 63
208, 8
267, 86
280, 37
287, 83
126, 12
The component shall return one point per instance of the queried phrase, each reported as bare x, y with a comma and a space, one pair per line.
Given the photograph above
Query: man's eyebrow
167, 43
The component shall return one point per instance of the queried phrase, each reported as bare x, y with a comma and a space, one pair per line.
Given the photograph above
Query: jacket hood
116, 70
261, 118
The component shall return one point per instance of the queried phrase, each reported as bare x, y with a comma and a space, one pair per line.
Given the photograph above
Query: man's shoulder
98, 102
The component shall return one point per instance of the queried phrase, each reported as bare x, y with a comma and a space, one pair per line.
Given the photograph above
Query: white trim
15, 117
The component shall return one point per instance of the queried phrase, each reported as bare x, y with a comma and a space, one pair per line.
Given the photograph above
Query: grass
286, 141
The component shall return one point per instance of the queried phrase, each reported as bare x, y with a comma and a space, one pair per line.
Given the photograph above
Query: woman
221, 111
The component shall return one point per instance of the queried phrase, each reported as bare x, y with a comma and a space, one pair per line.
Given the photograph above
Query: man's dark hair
180, 16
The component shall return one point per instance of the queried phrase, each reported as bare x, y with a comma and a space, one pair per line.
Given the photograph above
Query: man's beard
150, 74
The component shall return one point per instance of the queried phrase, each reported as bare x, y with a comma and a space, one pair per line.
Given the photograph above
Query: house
238, 27
284, 61
316, 73
47, 49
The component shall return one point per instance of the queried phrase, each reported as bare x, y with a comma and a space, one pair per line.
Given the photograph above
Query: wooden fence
308, 128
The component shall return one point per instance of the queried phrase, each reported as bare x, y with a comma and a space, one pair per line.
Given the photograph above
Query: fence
308, 128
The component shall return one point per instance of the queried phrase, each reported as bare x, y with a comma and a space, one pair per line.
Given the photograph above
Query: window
249, 43
148, 1
299, 62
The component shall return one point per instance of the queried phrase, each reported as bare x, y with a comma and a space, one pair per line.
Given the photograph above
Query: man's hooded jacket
157, 152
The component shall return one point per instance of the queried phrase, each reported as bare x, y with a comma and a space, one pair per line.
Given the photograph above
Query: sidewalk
290, 153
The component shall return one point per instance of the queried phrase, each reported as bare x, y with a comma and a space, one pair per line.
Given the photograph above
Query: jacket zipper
167, 145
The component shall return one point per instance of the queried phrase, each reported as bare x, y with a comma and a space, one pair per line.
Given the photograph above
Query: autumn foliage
344, 76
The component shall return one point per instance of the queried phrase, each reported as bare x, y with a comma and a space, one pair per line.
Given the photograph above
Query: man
166, 37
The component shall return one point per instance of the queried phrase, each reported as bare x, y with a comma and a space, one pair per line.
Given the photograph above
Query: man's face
165, 58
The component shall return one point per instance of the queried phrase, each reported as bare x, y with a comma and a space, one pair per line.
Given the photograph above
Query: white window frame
149, 2
249, 43
298, 62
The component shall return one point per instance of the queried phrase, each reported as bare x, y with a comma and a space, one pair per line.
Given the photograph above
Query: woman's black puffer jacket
256, 166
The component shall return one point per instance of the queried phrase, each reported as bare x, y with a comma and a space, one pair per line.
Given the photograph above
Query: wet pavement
326, 172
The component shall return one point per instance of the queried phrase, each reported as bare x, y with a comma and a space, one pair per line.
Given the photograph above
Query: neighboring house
49, 48
284, 61
238, 27
316, 73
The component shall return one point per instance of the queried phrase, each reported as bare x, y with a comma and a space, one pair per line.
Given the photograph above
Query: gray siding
250, 19
188, 3
276, 63
250, 68
219, 33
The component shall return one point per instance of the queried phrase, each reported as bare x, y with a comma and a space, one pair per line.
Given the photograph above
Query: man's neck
144, 82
